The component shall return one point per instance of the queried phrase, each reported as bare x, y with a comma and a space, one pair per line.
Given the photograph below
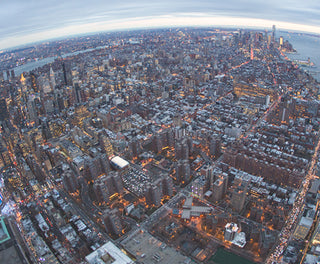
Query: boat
305, 63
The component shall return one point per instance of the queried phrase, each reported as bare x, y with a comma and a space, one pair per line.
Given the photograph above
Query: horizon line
140, 23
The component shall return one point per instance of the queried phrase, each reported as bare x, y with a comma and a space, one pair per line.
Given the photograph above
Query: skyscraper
52, 79
106, 144
112, 222
281, 41
238, 197
273, 33
182, 171
32, 111
219, 188
77, 92
167, 186
182, 149
13, 75
153, 195
214, 146
34, 82
67, 75
101, 190
70, 182
230, 230
4, 114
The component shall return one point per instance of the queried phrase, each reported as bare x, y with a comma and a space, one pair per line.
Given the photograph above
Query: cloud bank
23, 22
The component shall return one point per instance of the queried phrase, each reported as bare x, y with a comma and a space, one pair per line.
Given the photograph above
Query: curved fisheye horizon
172, 131
87, 26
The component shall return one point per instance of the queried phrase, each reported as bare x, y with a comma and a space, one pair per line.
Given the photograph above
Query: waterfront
154, 116
39, 63
307, 46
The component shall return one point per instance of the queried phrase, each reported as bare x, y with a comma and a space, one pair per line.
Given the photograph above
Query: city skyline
27, 22
163, 145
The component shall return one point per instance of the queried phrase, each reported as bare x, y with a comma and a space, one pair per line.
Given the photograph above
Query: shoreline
302, 67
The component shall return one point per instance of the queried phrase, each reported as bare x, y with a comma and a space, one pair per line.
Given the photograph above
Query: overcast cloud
24, 21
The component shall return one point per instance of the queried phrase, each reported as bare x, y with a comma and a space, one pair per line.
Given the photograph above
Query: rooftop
119, 162
108, 254
4, 234
10, 256
148, 249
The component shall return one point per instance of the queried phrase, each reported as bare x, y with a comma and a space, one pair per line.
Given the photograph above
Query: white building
108, 253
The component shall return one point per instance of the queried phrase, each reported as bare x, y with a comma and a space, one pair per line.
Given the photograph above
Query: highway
297, 209
311, 233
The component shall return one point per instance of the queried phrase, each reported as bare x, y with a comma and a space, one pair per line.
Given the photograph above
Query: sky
27, 21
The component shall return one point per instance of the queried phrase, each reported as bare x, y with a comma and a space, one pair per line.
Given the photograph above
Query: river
39, 63
307, 46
